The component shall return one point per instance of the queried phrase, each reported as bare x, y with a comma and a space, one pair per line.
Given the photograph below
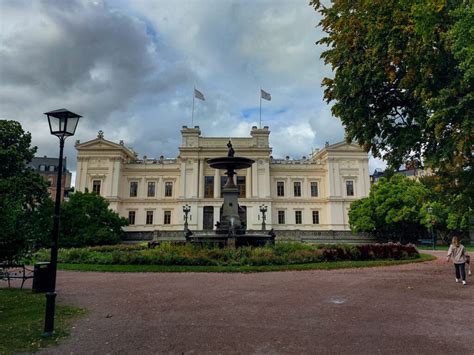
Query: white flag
265, 95
199, 95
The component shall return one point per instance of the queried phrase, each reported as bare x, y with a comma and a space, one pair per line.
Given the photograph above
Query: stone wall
281, 235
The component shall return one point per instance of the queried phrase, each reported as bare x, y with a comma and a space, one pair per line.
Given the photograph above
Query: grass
22, 321
189, 268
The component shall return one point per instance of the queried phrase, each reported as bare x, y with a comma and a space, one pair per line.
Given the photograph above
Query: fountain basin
230, 163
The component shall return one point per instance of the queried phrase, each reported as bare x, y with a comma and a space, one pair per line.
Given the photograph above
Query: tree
22, 192
402, 85
392, 210
86, 220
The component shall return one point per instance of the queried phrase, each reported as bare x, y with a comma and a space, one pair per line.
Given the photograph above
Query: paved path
408, 309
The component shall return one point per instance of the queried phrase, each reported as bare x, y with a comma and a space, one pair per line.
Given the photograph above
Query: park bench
425, 242
10, 272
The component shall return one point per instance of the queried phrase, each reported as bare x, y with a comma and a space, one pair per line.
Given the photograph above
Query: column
248, 183
217, 184
182, 180
254, 181
201, 178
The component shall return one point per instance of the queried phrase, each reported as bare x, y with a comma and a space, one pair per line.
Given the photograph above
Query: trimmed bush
278, 254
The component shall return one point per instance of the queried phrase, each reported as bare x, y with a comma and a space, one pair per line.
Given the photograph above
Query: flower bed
279, 254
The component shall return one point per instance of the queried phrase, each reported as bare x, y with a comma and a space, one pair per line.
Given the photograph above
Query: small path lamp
186, 210
432, 222
62, 124
263, 209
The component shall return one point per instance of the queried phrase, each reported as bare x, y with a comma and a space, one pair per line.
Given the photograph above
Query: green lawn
186, 268
22, 321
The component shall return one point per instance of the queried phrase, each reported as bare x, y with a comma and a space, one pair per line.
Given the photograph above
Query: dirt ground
407, 309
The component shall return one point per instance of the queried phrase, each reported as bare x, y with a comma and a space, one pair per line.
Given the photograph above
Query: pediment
103, 144
343, 146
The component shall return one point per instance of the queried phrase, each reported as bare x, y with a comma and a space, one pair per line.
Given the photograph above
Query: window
297, 188
131, 217
149, 217
281, 217
167, 217
96, 186
51, 168
315, 217
209, 186
241, 185
42, 167
350, 188
280, 188
151, 189
298, 217
133, 188
314, 189
168, 189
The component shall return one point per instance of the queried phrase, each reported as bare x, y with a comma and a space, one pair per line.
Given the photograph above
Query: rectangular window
52, 168
151, 189
149, 217
314, 189
133, 188
167, 217
209, 186
297, 188
131, 217
241, 185
315, 217
96, 186
281, 217
280, 188
298, 217
350, 188
223, 181
168, 189
42, 167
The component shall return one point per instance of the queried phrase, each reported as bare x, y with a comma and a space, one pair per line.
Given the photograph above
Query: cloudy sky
129, 68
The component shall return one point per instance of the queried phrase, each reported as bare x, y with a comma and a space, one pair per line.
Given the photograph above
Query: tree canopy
86, 220
23, 193
403, 77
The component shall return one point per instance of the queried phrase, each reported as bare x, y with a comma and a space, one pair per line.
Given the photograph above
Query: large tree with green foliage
403, 82
23, 192
86, 220
392, 210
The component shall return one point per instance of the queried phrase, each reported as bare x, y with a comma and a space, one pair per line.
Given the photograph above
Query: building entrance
208, 218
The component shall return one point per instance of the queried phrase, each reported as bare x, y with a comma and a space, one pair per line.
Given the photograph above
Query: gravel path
406, 309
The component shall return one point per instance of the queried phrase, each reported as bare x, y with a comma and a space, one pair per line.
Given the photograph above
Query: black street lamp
186, 210
62, 123
430, 211
263, 209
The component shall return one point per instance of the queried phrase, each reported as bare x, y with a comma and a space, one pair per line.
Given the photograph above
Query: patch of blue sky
252, 112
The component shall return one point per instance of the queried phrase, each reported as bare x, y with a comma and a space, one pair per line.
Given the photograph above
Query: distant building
410, 172
313, 193
48, 169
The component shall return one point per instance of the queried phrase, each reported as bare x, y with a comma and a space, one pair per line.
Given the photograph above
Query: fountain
231, 230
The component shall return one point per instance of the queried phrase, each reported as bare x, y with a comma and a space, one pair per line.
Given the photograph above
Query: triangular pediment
103, 144
343, 146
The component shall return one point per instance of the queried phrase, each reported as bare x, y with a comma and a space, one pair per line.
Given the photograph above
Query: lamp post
62, 123
186, 210
263, 209
430, 211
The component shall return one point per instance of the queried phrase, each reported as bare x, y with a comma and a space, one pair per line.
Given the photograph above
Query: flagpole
192, 115
260, 107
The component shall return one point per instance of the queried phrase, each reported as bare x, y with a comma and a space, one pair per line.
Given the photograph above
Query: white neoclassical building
308, 194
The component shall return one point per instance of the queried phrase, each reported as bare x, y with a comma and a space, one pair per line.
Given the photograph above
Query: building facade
48, 169
308, 194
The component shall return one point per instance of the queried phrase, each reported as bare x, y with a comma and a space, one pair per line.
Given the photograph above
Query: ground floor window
167, 217
298, 217
281, 217
131, 217
96, 186
149, 217
315, 217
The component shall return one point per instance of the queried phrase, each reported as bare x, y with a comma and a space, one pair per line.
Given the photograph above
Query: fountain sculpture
231, 230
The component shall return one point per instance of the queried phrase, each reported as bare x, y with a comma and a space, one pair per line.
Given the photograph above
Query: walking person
458, 253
